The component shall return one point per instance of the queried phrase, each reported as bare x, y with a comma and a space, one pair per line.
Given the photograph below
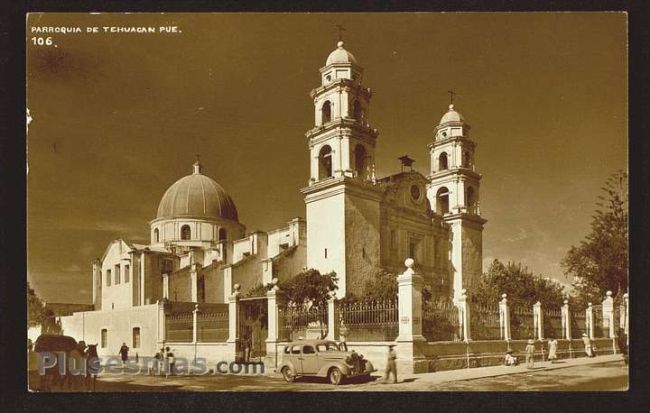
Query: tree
599, 262
523, 288
310, 288
35, 308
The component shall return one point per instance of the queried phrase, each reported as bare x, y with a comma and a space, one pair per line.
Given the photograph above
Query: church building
356, 224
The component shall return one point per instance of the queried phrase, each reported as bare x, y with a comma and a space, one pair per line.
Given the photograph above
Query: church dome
452, 116
340, 55
197, 196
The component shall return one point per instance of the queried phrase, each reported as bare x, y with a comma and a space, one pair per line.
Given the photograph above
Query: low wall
213, 353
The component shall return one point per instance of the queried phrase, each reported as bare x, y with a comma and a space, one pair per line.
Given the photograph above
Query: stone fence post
273, 321
195, 316
504, 318
410, 304
162, 324
538, 321
566, 320
608, 315
333, 324
463, 316
589, 320
233, 321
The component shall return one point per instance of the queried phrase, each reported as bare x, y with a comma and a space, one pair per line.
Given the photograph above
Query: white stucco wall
119, 324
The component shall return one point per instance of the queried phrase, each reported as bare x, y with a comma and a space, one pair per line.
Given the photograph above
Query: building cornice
341, 185
455, 173
452, 139
342, 126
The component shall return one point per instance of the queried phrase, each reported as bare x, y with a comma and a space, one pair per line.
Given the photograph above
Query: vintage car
323, 358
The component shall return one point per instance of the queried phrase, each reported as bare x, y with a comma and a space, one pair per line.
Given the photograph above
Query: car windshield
327, 347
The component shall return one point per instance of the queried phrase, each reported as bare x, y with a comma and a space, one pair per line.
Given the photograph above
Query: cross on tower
451, 95
341, 29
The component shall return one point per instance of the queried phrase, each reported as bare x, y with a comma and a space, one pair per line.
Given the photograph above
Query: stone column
273, 324
538, 321
410, 339
162, 334
608, 315
410, 304
195, 317
504, 317
589, 320
194, 286
233, 322
464, 316
566, 320
332, 319
165, 279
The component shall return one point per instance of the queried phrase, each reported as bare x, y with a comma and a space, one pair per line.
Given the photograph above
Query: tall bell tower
453, 192
341, 200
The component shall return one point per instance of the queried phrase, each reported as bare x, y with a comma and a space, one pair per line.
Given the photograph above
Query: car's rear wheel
335, 376
288, 375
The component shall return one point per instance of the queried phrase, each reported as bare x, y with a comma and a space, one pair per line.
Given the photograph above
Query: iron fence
369, 321
212, 327
522, 326
298, 321
597, 311
178, 327
484, 321
552, 323
440, 321
578, 323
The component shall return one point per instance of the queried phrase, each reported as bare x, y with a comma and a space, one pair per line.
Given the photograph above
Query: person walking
552, 350
589, 351
391, 365
124, 353
530, 354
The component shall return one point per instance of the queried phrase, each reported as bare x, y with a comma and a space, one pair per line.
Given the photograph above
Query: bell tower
453, 192
341, 201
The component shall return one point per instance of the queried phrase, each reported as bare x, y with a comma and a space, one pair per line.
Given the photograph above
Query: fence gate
253, 326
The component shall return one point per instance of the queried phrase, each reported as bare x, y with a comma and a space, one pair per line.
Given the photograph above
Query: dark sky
117, 118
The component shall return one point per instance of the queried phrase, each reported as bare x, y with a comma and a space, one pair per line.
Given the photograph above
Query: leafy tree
35, 308
599, 262
523, 288
311, 288
382, 286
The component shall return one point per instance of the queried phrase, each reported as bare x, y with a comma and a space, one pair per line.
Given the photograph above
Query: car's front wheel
288, 375
335, 376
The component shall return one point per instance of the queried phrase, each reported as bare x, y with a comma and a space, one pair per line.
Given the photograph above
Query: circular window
415, 192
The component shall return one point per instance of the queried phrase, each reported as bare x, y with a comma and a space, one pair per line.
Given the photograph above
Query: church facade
356, 225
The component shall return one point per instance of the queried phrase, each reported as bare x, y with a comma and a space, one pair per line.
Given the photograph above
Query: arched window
470, 199
442, 162
442, 201
467, 159
186, 232
357, 112
223, 235
326, 111
360, 158
325, 162
156, 235
104, 338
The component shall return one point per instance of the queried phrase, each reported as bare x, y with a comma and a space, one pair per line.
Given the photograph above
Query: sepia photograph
327, 202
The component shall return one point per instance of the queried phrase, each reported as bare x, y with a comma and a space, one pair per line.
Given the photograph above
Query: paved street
603, 373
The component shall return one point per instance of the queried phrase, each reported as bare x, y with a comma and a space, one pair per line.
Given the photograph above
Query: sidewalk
494, 371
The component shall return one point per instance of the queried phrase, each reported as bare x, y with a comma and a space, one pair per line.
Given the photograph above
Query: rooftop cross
341, 29
451, 95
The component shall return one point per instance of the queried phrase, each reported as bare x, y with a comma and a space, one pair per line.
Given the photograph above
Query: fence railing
212, 327
298, 321
369, 321
522, 323
440, 321
598, 322
179, 327
484, 322
552, 323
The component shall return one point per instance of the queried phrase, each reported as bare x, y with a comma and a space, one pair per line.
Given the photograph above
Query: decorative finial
451, 97
409, 262
341, 29
197, 165
451, 107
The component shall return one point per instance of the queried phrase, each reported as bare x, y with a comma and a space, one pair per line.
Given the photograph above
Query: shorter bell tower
453, 191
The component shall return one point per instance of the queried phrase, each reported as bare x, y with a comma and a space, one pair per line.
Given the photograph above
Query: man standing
391, 365
124, 353
588, 347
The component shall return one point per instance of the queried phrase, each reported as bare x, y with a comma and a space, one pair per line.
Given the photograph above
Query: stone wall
472, 246
361, 242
